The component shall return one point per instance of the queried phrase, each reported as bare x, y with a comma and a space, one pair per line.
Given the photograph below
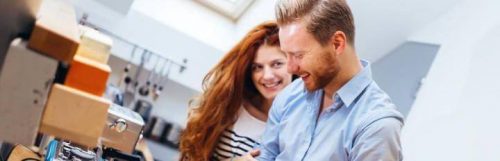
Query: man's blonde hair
323, 17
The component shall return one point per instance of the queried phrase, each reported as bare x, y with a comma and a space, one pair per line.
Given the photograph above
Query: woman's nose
268, 73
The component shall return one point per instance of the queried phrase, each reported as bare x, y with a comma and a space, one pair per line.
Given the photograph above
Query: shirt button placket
309, 133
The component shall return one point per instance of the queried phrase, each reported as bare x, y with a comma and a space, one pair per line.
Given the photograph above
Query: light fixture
232, 9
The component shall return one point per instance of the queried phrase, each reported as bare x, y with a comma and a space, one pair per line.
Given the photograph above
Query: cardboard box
56, 31
88, 75
74, 115
94, 45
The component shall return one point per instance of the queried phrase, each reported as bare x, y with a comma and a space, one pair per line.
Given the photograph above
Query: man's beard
324, 74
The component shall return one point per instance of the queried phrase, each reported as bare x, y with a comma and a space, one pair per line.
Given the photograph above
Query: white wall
261, 10
455, 116
383, 25
191, 18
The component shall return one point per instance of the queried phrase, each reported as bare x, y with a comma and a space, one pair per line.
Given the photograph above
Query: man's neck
351, 66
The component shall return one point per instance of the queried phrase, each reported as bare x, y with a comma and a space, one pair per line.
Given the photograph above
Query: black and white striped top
241, 138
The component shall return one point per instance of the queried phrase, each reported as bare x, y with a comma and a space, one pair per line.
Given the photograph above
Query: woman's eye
277, 64
256, 68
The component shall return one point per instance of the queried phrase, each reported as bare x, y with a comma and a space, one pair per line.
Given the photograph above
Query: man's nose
292, 65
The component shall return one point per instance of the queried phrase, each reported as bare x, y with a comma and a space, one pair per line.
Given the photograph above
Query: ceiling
383, 25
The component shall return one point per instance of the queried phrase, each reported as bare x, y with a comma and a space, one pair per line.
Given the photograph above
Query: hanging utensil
146, 55
157, 75
162, 81
144, 89
125, 77
129, 94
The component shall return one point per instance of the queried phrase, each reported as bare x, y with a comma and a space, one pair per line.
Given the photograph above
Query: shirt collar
353, 88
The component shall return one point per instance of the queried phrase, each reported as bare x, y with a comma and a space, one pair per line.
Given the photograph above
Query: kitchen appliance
123, 129
25, 81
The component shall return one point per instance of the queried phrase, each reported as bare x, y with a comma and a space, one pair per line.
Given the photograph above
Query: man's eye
297, 55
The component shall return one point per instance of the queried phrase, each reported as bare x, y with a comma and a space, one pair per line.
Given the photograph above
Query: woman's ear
338, 42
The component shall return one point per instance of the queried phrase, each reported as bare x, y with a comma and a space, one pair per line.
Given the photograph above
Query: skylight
232, 9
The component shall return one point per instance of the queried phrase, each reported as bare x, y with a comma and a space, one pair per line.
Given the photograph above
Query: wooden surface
74, 115
143, 147
21, 152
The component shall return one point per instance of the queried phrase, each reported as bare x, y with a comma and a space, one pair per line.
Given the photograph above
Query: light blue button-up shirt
361, 125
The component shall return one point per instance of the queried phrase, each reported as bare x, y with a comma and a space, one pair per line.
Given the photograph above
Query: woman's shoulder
249, 110
248, 126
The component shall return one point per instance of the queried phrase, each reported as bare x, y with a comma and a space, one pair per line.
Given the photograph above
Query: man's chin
310, 88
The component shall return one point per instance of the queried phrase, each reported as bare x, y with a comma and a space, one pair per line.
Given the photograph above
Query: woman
238, 92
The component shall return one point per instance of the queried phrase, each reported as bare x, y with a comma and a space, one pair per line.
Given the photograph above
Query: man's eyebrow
278, 60
294, 52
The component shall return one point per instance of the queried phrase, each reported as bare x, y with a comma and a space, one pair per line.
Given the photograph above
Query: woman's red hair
225, 87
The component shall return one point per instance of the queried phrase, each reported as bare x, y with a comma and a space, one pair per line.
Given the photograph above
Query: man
336, 112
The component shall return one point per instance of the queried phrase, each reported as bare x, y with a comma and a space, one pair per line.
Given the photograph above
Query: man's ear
338, 41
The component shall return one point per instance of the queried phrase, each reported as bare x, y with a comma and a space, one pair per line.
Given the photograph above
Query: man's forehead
292, 29
293, 36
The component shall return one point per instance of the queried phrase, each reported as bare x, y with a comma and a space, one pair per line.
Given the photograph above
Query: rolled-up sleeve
379, 141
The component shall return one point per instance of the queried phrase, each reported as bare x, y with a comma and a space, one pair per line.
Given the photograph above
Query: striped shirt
241, 138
